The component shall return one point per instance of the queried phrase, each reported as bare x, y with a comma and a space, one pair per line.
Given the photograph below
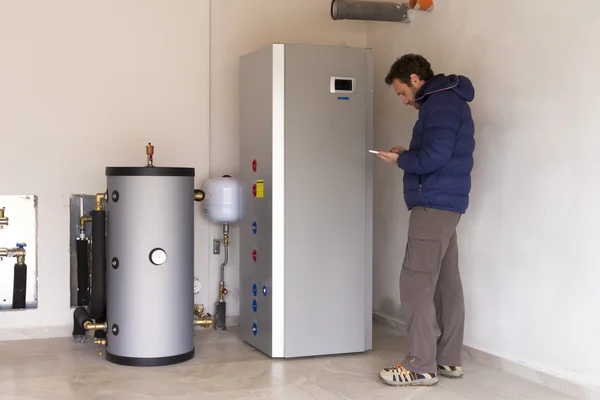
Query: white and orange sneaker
400, 376
450, 371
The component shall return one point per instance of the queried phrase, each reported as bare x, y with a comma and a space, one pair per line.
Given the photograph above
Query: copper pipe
222, 290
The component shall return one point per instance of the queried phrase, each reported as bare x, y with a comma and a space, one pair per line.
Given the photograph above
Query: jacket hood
461, 85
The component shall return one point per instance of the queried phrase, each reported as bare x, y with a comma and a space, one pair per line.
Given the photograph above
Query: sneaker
450, 371
400, 376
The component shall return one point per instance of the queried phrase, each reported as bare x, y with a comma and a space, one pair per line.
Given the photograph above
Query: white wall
84, 85
239, 27
529, 257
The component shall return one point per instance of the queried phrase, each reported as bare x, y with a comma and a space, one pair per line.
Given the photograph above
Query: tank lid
150, 171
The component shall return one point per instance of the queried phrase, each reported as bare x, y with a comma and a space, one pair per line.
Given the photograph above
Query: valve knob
21, 245
225, 291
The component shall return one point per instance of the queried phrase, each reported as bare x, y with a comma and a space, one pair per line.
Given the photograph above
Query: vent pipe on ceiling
370, 10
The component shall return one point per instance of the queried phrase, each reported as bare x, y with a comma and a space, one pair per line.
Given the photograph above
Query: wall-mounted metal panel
20, 211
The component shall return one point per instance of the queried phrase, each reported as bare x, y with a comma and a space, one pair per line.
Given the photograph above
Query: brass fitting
150, 154
202, 319
100, 342
90, 326
3, 219
199, 195
198, 310
222, 291
83, 220
99, 199
18, 253
204, 323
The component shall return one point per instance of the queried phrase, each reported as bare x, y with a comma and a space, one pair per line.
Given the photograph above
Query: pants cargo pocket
423, 255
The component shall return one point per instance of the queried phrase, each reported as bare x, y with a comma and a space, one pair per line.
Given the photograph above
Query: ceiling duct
370, 10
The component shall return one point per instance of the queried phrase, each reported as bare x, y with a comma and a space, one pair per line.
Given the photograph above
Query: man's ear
414, 79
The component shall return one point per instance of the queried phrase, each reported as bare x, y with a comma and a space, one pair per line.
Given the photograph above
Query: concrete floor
226, 368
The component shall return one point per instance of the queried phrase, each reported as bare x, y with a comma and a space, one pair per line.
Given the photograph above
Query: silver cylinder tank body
150, 265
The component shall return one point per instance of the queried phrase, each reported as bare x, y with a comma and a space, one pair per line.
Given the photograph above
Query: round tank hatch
158, 256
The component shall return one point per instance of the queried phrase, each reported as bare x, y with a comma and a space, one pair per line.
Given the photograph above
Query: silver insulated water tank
150, 265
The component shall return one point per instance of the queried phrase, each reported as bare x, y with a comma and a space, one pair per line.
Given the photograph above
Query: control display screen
344, 85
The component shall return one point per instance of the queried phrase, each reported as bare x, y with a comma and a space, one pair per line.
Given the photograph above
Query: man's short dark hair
407, 65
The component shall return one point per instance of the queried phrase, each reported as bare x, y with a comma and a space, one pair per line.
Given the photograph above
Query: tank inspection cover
158, 256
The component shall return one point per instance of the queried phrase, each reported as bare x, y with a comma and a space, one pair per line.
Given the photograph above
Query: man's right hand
397, 149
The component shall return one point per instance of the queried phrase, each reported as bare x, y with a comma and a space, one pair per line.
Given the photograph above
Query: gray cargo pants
431, 291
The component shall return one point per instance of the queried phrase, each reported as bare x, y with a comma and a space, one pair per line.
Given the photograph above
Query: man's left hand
389, 156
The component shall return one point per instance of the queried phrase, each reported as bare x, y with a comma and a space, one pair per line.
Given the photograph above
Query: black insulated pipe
220, 323
370, 10
83, 273
97, 308
19, 286
80, 317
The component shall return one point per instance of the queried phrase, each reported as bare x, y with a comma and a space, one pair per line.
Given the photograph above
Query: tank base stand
149, 362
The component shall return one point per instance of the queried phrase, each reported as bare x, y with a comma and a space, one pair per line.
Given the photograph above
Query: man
437, 181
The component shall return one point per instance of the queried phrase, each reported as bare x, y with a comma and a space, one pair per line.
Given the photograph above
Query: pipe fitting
99, 199
201, 318
199, 195
204, 323
222, 291
150, 155
3, 219
18, 253
90, 326
199, 310
84, 219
